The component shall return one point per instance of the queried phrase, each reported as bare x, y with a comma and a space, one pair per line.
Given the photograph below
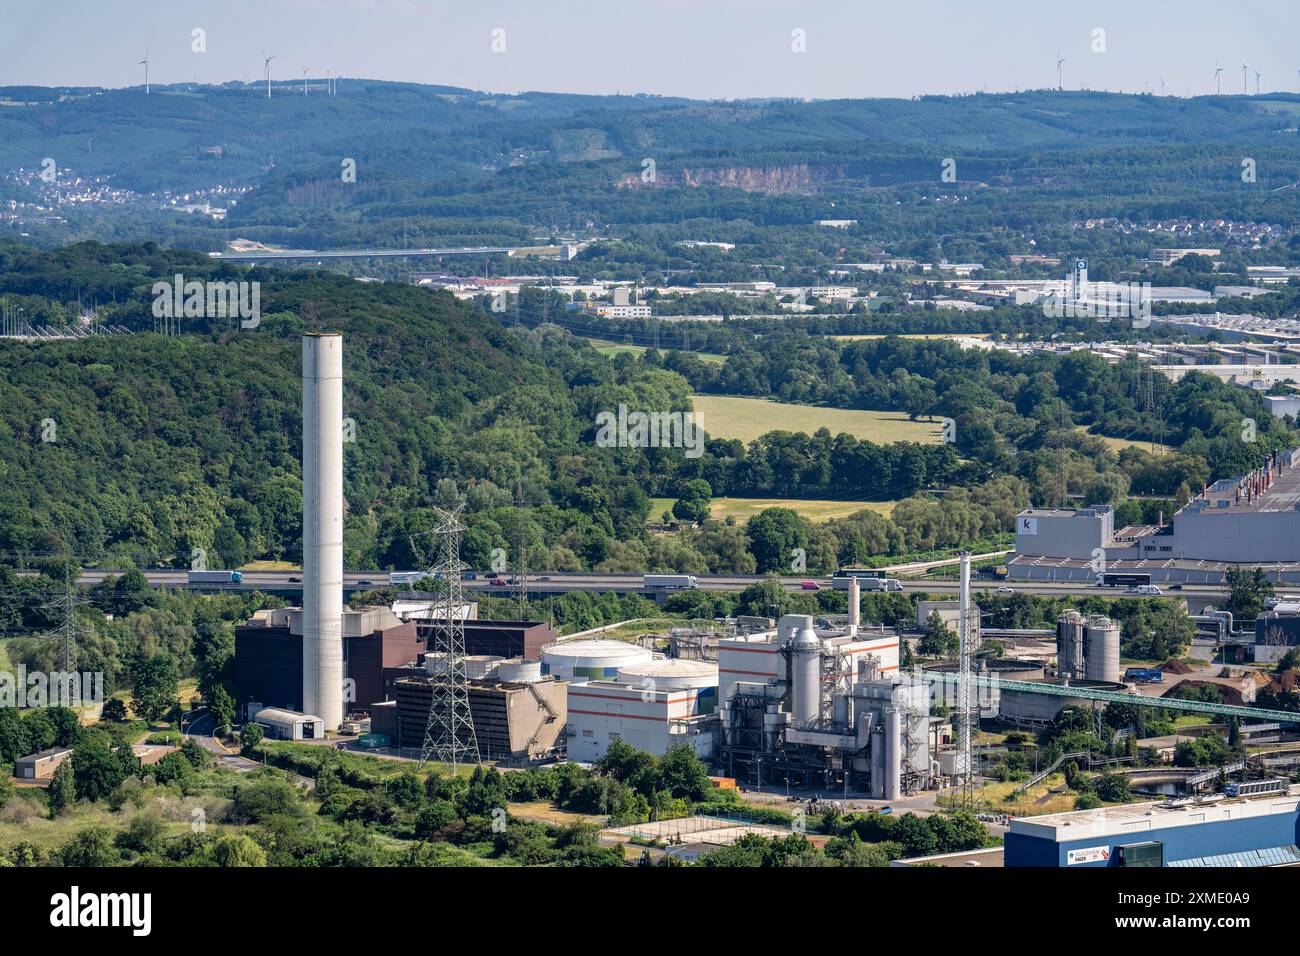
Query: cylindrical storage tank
519, 672
591, 659
477, 666
672, 673
806, 672
1069, 644
1103, 650
893, 753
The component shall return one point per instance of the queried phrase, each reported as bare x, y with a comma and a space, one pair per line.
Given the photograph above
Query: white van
1148, 590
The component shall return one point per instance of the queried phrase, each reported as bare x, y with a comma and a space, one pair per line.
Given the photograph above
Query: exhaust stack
322, 527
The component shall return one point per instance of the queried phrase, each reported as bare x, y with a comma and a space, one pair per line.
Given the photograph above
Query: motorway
1197, 596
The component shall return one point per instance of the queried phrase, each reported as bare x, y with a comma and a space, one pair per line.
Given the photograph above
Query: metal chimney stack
322, 527
855, 605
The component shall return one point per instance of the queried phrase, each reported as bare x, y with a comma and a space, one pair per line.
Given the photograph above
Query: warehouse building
1260, 831
1251, 520
41, 766
289, 725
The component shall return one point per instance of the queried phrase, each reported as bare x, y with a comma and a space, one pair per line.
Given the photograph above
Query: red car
498, 582
811, 586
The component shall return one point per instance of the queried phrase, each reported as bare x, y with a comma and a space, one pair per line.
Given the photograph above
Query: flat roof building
1263, 829
41, 766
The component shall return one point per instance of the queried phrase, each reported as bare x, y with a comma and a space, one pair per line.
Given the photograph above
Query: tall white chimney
855, 605
322, 527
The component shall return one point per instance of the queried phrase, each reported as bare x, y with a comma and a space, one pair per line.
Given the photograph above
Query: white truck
669, 582
214, 577
880, 584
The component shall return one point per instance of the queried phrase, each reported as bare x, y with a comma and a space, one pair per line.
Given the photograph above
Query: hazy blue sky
698, 48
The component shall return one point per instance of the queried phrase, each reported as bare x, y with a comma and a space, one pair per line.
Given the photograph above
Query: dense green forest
443, 166
141, 448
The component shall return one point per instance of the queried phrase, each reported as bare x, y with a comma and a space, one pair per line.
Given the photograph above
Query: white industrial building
289, 724
651, 719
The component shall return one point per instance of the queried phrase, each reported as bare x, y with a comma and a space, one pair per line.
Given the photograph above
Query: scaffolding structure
449, 733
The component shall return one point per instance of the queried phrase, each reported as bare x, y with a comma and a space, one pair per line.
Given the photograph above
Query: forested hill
437, 165
148, 446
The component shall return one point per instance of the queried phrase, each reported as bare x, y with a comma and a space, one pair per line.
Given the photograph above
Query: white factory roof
1137, 818
281, 716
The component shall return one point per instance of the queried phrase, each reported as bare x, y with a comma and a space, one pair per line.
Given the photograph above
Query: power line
449, 735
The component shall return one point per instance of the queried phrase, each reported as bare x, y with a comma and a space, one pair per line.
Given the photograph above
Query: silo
519, 671
591, 659
1069, 645
676, 674
805, 649
1103, 649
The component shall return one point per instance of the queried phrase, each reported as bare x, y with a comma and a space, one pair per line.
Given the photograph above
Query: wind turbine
1245, 67
266, 68
145, 64
1218, 83
1257, 76
1162, 86
1059, 61
304, 81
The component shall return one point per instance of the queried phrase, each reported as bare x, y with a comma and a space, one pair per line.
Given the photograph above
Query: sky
706, 49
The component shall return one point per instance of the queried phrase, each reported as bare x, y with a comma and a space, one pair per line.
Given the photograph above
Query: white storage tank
675, 674
591, 659
1103, 649
477, 666
519, 671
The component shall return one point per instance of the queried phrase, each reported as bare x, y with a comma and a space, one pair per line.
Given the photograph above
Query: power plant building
269, 657
649, 718
519, 713
824, 707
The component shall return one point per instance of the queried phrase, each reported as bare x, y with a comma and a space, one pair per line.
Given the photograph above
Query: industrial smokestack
855, 604
322, 527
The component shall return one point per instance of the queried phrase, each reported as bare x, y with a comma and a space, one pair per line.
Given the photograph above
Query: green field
1119, 444
742, 509
613, 348
748, 418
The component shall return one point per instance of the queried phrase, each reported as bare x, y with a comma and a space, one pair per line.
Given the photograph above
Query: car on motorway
294, 579
469, 576
1148, 590
497, 582
1175, 587
1006, 590
810, 586
365, 584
